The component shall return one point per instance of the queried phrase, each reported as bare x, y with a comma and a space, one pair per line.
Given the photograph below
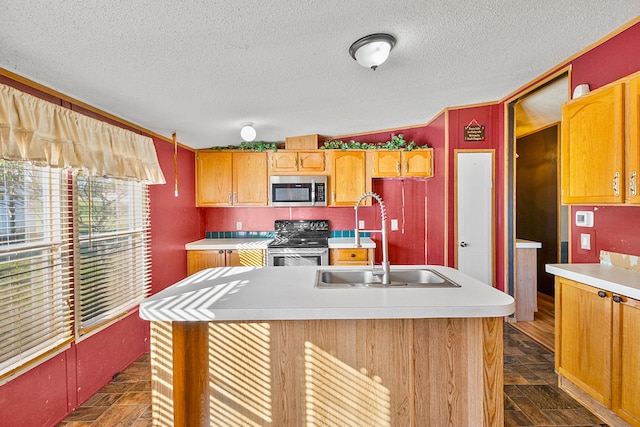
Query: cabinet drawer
342, 255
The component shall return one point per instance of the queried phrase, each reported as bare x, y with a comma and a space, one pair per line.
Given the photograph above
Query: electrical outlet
361, 224
394, 225
239, 225
585, 241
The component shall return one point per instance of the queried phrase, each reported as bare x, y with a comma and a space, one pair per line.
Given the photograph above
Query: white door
474, 171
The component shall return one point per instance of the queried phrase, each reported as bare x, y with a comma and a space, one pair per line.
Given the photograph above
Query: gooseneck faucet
386, 275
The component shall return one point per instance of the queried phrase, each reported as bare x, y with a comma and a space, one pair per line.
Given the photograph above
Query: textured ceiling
201, 68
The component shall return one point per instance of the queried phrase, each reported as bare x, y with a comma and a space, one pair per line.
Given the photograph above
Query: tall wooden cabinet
597, 348
593, 138
225, 178
348, 177
633, 170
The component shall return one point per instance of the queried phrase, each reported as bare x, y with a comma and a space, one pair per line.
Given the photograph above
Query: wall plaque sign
474, 131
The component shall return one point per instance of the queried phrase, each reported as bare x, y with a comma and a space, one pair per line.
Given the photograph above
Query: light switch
239, 225
361, 224
585, 241
394, 225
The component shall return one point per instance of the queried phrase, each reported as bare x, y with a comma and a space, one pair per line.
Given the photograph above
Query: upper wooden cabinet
399, 163
312, 162
633, 169
214, 178
231, 178
593, 140
348, 177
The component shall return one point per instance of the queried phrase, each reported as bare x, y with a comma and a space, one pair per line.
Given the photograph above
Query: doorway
534, 209
474, 214
537, 206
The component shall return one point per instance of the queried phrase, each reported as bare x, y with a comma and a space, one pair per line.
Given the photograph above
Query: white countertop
606, 277
250, 243
349, 243
288, 293
527, 244
213, 244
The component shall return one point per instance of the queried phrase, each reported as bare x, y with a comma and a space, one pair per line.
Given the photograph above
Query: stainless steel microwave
298, 190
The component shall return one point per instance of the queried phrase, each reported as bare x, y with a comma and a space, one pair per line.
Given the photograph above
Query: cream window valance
46, 134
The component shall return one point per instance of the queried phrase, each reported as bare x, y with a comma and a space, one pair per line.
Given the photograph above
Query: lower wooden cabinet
351, 256
200, 259
597, 349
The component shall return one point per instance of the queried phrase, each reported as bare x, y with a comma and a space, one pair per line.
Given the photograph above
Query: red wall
616, 228
48, 392
412, 243
492, 117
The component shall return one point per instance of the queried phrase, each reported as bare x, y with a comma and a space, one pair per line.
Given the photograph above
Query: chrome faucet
386, 275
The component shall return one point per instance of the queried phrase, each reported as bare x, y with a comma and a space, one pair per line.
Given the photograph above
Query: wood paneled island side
264, 347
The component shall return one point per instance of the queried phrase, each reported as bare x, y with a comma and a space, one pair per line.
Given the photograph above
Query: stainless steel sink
364, 278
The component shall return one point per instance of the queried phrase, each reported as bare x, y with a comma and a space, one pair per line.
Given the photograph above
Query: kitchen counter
349, 243
374, 356
252, 293
261, 243
527, 244
215, 244
606, 277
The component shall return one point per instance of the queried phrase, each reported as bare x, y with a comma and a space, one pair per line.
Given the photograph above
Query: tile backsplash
270, 234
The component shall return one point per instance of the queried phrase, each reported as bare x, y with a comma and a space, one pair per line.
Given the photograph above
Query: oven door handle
313, 192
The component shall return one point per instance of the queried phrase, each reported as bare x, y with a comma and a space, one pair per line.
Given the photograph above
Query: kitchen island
264, 347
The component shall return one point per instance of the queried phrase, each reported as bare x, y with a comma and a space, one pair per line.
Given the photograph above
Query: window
74, 255
35, 263
112, 249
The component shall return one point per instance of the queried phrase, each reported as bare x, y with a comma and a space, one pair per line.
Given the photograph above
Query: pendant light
372, 50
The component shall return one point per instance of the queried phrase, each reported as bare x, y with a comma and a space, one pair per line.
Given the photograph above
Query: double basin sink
365, 278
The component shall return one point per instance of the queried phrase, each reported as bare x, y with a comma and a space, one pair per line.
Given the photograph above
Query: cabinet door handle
632, 183
295, 163
463, 244
398, 167
602, 294
235, 197
406, 167
221, 251
617, 298
229, 251
229, 197
352, 255
615, 184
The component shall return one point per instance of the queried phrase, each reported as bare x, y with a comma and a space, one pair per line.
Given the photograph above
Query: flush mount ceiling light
248, 133
372, 50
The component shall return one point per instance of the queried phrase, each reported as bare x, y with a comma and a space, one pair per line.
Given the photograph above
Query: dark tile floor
125, 401
531, 394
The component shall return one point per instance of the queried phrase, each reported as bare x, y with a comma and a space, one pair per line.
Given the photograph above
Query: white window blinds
112, 249
35, 263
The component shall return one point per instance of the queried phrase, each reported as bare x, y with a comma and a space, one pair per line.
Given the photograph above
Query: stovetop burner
301, 233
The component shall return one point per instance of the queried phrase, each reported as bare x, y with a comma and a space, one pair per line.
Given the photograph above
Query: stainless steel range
299, 242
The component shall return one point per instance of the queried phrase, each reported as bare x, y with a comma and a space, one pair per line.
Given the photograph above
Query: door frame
510, 171
493, 206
